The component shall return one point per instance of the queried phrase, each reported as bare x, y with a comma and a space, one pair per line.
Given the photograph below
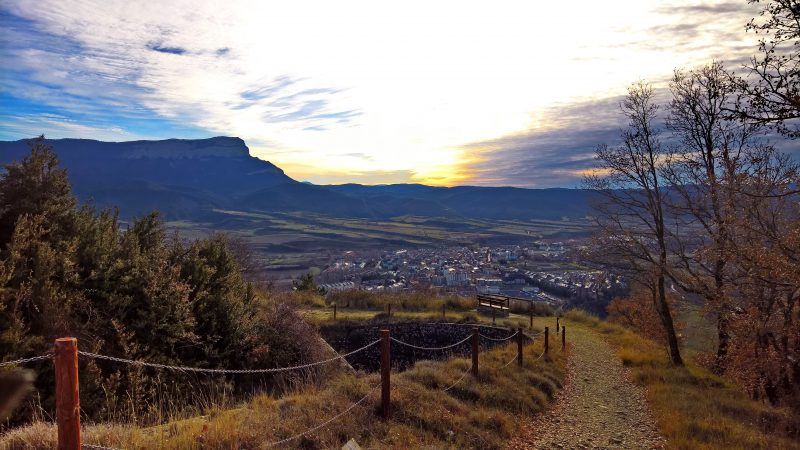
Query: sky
437, 92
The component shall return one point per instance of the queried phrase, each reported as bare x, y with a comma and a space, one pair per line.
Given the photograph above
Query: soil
599, 406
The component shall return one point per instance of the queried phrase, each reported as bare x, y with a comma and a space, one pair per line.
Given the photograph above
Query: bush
132, 293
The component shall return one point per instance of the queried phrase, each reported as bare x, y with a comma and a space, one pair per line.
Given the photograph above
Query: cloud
708, 10
442, 92
561, 152
557, 154
30, 125
166, 49
156, 63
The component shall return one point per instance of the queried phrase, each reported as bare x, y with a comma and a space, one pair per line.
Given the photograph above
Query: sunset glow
354, 91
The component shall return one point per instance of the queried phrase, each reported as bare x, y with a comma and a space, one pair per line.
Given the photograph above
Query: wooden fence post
520, 336
563, 337
493, 313
68, 404
386, 367
476, 340
558, 326
390, 310
546, 339
334, 311
530, 314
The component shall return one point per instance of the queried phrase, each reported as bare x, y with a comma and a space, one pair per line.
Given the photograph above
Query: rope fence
460, 379
489, 338
224, 371
432, 348
20, 362
66, 357
98, 447
325, 423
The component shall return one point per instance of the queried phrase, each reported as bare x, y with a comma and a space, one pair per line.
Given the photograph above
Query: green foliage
35, 186
306, 284
133, 293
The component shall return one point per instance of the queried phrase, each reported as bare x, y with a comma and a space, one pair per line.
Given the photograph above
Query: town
543, 272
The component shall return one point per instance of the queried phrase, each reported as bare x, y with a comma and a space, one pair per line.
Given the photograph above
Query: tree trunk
724, 338
666, 320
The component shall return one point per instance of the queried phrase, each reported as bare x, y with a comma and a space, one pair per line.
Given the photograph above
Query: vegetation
137, 293
715, 216
133, 293
473, 414
694, 407
631, 232
415, 301
306, 284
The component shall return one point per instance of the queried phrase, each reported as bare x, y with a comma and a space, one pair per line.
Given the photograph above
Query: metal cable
500, 339
432, 348
509, 363
26, 360
464, 375
198, 369
327, 422
98, 447
532, 336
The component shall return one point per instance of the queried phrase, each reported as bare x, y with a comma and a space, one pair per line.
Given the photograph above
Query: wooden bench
497, 305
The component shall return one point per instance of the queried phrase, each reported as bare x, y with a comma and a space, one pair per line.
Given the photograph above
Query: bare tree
630, 215
711, 159
770, 93
766, 354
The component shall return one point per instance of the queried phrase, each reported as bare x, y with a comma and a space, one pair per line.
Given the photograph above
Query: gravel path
598, 408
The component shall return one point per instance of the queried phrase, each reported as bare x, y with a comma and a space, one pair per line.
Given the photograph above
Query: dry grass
694, 408
480, 413
321, 315
416, 301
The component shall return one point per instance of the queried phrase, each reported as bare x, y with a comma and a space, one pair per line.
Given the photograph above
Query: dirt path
598, 408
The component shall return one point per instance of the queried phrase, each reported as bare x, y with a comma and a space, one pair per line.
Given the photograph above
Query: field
293, 243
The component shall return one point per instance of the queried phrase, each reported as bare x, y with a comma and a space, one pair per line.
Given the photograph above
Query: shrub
132, 293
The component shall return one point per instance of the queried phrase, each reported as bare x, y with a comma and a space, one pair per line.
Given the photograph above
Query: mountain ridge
187, 178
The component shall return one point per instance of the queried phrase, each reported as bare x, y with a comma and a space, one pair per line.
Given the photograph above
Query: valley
287, 244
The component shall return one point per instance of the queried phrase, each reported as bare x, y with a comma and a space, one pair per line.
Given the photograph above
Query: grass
694, 408
362, 305
319, 316
476, 413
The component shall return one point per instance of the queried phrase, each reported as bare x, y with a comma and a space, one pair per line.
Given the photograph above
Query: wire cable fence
532, 336
432, 348
459, 380
19, 362
540, 355
499, 339
66, 356
223, 371
326, 422
97, 447
508, 363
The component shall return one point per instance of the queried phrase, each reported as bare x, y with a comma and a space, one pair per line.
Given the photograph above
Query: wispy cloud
442, 92
558, 154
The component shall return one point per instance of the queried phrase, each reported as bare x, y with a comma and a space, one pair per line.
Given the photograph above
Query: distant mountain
186, 179
474, 201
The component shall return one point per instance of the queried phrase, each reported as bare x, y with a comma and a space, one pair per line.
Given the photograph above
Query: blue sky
500, 93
